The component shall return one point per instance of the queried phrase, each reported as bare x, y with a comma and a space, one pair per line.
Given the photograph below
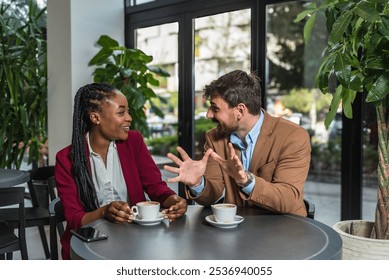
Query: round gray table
13, 177
259, 237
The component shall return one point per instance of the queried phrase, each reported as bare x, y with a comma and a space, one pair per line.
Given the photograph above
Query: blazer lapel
262, 146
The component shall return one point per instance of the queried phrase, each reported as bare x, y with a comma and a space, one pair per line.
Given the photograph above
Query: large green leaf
151, 80
342, 69
367, 11
383, 27
325, 71
101, 57
308, 27
356, 83
156, 110
306, 12
348, 98
149, 93
336, 98
107, 42
377, 63
379, 89
339, 27
158, 70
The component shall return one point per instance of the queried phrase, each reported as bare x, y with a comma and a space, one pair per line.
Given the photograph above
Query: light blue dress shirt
246, 153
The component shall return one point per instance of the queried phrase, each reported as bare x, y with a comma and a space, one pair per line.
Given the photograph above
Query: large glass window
217, 36
291, 94
161, 43
222, 44
290, 85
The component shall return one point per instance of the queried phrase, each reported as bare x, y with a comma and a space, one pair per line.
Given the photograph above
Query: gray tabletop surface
261, 236
13, 177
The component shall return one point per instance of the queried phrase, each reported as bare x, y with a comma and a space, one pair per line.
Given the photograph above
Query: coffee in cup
224, 212
146, 210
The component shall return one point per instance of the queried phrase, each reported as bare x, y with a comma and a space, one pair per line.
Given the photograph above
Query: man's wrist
196, 185
249, 179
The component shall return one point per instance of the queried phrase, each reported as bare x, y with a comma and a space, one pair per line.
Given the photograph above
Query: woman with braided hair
107, 168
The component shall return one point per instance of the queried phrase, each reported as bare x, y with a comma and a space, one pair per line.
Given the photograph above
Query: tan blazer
280, 164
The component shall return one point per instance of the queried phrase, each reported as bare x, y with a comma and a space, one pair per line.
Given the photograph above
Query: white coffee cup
146, 210
224, 212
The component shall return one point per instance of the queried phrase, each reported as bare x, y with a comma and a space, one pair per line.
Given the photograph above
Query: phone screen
89, 234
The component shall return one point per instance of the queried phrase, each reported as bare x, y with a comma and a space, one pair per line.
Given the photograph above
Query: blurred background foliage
23, 82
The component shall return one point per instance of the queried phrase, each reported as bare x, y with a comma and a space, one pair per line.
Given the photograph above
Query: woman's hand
176, 207
118, 212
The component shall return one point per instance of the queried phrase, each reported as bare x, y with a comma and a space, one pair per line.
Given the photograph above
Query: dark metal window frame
184, 12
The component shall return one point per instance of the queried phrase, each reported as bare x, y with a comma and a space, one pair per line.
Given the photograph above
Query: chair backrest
310, 208
38, 185
57, 218
12, 196
52, 187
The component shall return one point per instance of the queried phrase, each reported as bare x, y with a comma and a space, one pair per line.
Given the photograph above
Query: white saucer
151, 222
211, 219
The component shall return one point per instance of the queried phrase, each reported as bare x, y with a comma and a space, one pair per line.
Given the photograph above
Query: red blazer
140, 174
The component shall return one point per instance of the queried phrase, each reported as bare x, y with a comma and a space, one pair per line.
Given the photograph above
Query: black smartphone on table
89, 234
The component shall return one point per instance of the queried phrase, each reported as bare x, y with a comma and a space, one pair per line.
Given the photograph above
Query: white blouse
108, 180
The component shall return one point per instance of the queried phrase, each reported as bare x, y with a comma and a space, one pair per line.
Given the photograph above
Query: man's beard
225, 131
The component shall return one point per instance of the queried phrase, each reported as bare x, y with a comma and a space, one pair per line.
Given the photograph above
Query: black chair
9, 242
310, 208
38, 215
53, 196
57, 218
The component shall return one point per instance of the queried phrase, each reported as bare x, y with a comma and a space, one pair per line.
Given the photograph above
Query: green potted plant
357, 56
128, 71
23, 83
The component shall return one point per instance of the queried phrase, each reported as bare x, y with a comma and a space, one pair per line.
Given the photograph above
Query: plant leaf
156, 110
383, 27
342, 70
379, 89
367, 11
308, 27
348, 98
324, 72
158, 70
336, 98
101, 57
107, 42
305, 13
340, 26
356, 83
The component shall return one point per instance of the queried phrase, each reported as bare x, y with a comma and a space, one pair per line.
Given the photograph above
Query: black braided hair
88, 99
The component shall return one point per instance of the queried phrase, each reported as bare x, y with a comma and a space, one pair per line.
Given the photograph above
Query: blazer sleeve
67, 190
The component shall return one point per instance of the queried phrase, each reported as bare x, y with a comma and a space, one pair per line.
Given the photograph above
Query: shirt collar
91, 152
251, 137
